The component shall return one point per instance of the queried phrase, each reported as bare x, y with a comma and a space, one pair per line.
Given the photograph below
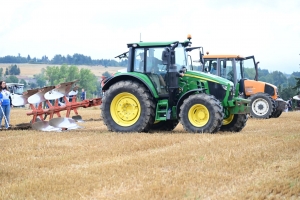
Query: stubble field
31, 69
260, 162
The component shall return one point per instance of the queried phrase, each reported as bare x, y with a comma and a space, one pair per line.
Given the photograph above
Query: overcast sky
268, 29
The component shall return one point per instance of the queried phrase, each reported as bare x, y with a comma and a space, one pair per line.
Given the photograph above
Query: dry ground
31, 69
260, 162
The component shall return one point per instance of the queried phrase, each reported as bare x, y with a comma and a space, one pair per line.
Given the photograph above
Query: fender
145, 81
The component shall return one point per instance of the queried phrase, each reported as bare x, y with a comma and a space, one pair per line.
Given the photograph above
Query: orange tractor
265, 100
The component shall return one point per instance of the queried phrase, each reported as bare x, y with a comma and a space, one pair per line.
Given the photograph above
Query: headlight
231, 88
225, 87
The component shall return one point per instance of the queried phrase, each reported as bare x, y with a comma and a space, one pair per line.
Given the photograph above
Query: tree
22, 81
13, 70
52, 75
297, 87
12, 79
250, 73
32, 85
276, 78
287, 93
73, 73
1, 72
40, 80
88, 81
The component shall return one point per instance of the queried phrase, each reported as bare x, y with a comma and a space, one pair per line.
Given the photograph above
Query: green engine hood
208, 77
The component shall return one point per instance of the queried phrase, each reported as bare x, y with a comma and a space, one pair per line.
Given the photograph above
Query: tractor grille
218, 91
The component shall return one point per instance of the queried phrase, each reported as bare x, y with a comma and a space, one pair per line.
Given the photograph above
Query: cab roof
157, 44
223, 56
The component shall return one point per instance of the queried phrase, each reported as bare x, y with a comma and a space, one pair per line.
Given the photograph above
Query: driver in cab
214, 68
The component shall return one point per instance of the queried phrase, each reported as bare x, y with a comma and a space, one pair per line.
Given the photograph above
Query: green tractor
156, 92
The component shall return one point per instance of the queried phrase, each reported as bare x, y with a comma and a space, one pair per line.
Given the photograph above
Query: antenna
140, 37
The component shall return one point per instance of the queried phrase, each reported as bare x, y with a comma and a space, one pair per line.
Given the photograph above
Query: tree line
76, 59
288, 85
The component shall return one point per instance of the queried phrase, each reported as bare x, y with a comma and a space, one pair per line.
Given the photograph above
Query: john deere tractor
156, 92
265, 100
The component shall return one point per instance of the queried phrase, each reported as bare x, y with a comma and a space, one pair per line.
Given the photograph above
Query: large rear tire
127, 107
276, 113
262, 106
234, 123
201, 113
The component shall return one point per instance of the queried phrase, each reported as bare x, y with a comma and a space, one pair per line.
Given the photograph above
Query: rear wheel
201, 113
127, 107
262, 106
277, 113
234, 123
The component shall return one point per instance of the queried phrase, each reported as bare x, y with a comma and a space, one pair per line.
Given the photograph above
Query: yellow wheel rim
198, 115
125, 109
228, 120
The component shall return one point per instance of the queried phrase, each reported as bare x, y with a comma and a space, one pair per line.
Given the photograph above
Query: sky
267, 29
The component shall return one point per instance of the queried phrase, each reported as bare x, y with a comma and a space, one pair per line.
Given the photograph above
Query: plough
49, 96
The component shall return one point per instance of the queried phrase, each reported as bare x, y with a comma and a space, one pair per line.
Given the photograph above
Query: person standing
5, 103
290, 104
83, 95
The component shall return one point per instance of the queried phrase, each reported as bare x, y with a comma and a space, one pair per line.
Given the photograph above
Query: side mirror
165, 56
201, 57
183, 70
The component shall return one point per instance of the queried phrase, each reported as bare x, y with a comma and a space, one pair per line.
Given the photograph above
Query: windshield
181, 58
239, 69
194, 60
147, 58
249, 68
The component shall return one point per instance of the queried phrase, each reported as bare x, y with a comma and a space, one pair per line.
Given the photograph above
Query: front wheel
201, 113
234, 123
127, 107
262, 106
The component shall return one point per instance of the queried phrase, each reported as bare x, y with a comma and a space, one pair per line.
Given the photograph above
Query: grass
260, 162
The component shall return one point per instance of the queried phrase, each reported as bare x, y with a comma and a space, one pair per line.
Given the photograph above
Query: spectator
5, 104
290, 104
286, 108
83, 95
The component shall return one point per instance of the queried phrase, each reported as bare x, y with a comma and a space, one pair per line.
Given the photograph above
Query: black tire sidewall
134, 89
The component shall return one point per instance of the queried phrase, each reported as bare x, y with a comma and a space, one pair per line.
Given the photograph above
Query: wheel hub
125, 109
260, 107
198, 115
